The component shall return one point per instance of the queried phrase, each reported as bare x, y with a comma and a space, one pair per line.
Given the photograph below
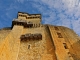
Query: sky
55, 12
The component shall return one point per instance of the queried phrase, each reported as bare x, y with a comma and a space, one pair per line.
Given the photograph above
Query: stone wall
73, 42
9, 47
60, 44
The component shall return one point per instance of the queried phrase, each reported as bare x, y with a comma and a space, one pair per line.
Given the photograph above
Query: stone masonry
28, 39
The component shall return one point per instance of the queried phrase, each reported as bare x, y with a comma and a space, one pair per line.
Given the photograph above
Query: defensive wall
55, 45
30, 40
9, 47
66, 42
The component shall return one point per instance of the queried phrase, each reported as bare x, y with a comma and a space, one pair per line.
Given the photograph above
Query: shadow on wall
75, 50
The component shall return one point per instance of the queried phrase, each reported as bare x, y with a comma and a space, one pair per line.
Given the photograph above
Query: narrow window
59, 35
28, 46
21, 15
56, 28
33, 17
39, 24
65, 45
26, 17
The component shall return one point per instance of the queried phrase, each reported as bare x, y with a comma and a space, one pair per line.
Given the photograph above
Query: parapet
27, 16
27, 20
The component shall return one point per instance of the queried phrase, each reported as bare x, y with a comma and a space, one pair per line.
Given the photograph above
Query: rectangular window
56, 28
59, 35
28, 46
65, 45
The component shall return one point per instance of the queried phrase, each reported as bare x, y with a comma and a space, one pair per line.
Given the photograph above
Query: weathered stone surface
57, 42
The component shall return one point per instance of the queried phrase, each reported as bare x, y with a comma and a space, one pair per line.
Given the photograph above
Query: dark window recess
36, 36
65, 46
22, 23
59, 35
69, 54
56, 28
39, 24
28, 46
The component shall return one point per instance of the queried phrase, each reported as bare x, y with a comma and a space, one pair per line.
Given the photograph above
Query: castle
28, 39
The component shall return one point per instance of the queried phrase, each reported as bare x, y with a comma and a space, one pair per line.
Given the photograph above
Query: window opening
59, 35
56, 28
65, 45
28, 46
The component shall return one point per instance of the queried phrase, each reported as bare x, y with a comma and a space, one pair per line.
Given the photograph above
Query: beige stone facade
30, 40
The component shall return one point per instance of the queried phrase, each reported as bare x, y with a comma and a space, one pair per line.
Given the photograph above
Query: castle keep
28, 39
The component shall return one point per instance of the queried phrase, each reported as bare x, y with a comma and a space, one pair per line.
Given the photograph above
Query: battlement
30, 40
29, 16
27, 20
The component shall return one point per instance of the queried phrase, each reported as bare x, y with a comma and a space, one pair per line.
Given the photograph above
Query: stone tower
28, 39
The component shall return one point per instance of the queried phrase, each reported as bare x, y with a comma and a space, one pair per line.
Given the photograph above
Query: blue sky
54, 12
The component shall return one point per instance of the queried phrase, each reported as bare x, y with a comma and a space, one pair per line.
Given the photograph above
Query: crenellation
29, 16
30, 40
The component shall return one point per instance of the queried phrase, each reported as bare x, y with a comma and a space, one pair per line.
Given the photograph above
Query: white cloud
20, 1
61, 12
76, 26
56, 12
